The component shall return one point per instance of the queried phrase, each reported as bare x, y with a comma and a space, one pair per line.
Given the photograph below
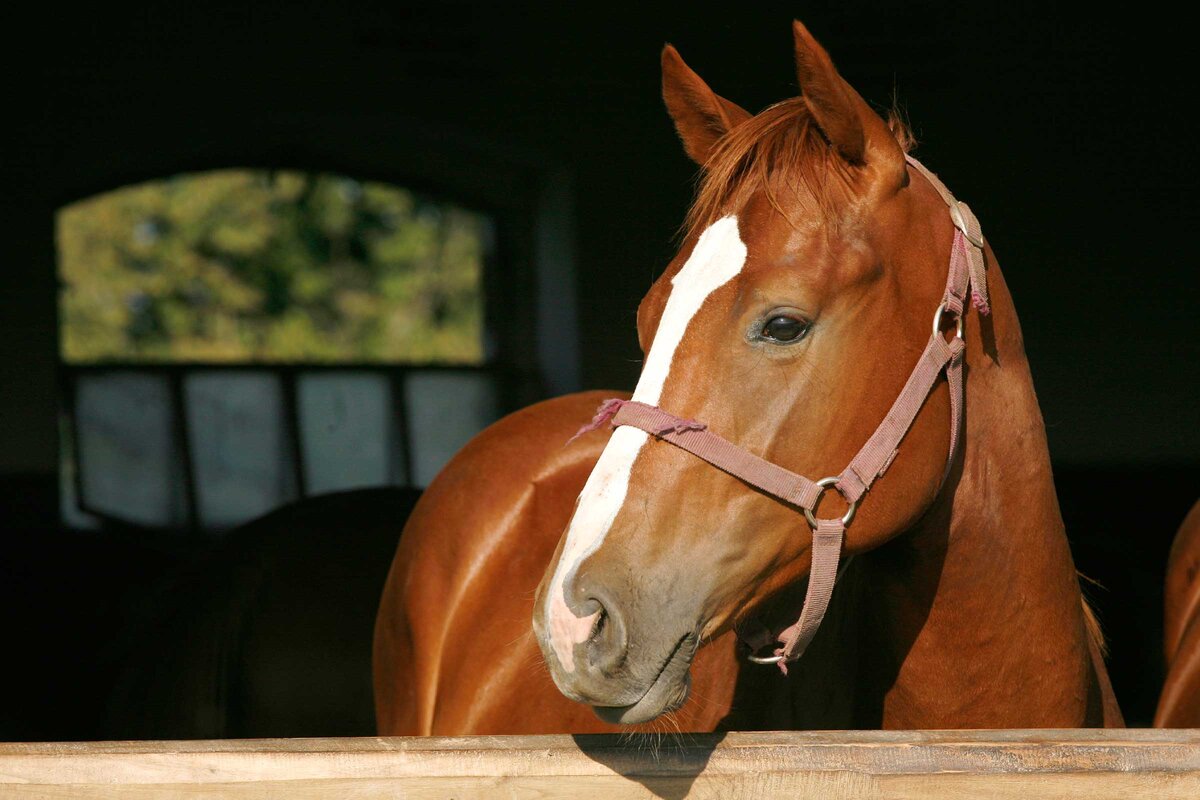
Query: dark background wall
1066, 131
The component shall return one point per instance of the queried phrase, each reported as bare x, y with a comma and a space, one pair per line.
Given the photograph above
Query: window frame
288, 374
530, 321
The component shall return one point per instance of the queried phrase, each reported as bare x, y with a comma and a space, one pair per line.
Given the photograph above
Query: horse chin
667, 693
663, 697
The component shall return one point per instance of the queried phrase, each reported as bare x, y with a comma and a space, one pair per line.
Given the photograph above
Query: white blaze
719, 255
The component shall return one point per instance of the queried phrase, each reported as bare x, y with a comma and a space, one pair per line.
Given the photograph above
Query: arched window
235, 339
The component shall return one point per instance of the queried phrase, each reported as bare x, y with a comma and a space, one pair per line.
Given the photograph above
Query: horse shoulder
462, 581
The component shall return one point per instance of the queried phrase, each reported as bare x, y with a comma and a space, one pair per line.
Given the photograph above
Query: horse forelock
780, 150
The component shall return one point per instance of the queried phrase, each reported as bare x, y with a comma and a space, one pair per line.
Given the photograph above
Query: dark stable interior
1057, 129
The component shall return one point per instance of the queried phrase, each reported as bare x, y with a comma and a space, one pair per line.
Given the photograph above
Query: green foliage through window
270, 266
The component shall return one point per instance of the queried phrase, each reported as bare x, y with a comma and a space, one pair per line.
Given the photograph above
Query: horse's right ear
701, 116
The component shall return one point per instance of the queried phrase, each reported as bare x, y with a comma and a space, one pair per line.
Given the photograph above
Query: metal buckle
937, 321
810, 514
960, 222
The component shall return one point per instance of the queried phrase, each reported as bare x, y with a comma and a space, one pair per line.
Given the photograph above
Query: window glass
127, 450
240, 450
445, 410
348, 428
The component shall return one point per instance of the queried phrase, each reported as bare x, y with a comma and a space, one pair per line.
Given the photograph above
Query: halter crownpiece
966, 273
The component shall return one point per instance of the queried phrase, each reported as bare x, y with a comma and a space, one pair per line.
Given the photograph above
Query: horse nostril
599, 625
606, 645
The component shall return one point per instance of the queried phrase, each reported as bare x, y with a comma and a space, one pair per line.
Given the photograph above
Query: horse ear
701, 116
855, 131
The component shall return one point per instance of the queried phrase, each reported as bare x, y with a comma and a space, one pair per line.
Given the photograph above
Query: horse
1179, 701
789, 322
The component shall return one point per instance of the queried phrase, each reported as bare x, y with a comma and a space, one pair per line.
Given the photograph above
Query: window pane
258, 265
243, 463
445, 409
347, 431
129, 466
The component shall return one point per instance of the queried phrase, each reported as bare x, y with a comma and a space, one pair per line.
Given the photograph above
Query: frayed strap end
980, 301
608, 409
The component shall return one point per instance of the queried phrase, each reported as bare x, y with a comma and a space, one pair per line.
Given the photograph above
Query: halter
966, 273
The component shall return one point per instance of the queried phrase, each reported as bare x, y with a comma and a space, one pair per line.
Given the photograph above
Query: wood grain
1124, 764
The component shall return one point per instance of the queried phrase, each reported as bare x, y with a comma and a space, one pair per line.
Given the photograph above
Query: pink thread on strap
968, 258
680, 426
607, 410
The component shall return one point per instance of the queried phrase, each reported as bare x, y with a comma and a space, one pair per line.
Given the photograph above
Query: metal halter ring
825, 483
764, 659
937, 321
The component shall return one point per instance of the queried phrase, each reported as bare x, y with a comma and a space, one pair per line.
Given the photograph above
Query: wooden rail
1128, 765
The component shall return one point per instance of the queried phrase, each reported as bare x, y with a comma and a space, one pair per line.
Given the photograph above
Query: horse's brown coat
962, 608
1179, 703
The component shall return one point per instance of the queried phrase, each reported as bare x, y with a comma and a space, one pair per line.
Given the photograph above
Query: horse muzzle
624, 684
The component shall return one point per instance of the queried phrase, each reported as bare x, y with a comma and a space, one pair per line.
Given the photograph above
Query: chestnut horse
789, 322
1179, 702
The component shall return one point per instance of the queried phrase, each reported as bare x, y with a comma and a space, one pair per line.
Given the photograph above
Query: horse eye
784, 329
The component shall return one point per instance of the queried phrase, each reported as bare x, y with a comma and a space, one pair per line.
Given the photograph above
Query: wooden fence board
1124, 765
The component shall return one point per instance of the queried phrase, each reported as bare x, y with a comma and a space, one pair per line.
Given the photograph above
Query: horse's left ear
852, 127
701, 115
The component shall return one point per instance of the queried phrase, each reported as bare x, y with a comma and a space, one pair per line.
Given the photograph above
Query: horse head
788, 322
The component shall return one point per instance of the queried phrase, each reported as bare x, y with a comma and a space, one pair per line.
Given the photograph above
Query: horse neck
978, 619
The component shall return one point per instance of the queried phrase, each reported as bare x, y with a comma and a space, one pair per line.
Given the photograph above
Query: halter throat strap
966, 274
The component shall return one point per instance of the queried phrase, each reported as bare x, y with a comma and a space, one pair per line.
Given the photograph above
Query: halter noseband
966, 274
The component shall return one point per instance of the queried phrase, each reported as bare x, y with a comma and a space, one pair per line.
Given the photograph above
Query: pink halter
966, 273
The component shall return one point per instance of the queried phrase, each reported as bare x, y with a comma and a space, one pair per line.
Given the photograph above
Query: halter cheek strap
966, 273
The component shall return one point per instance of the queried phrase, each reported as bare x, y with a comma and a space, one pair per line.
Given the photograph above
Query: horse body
962, 607
972, 618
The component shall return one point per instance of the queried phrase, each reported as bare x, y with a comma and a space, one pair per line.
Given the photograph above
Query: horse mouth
667, 692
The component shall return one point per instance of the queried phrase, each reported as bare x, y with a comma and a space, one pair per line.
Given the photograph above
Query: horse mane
779, 149
1091, 622
1094, 630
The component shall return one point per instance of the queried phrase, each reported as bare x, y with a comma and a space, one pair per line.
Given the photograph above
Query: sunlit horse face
788, 323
